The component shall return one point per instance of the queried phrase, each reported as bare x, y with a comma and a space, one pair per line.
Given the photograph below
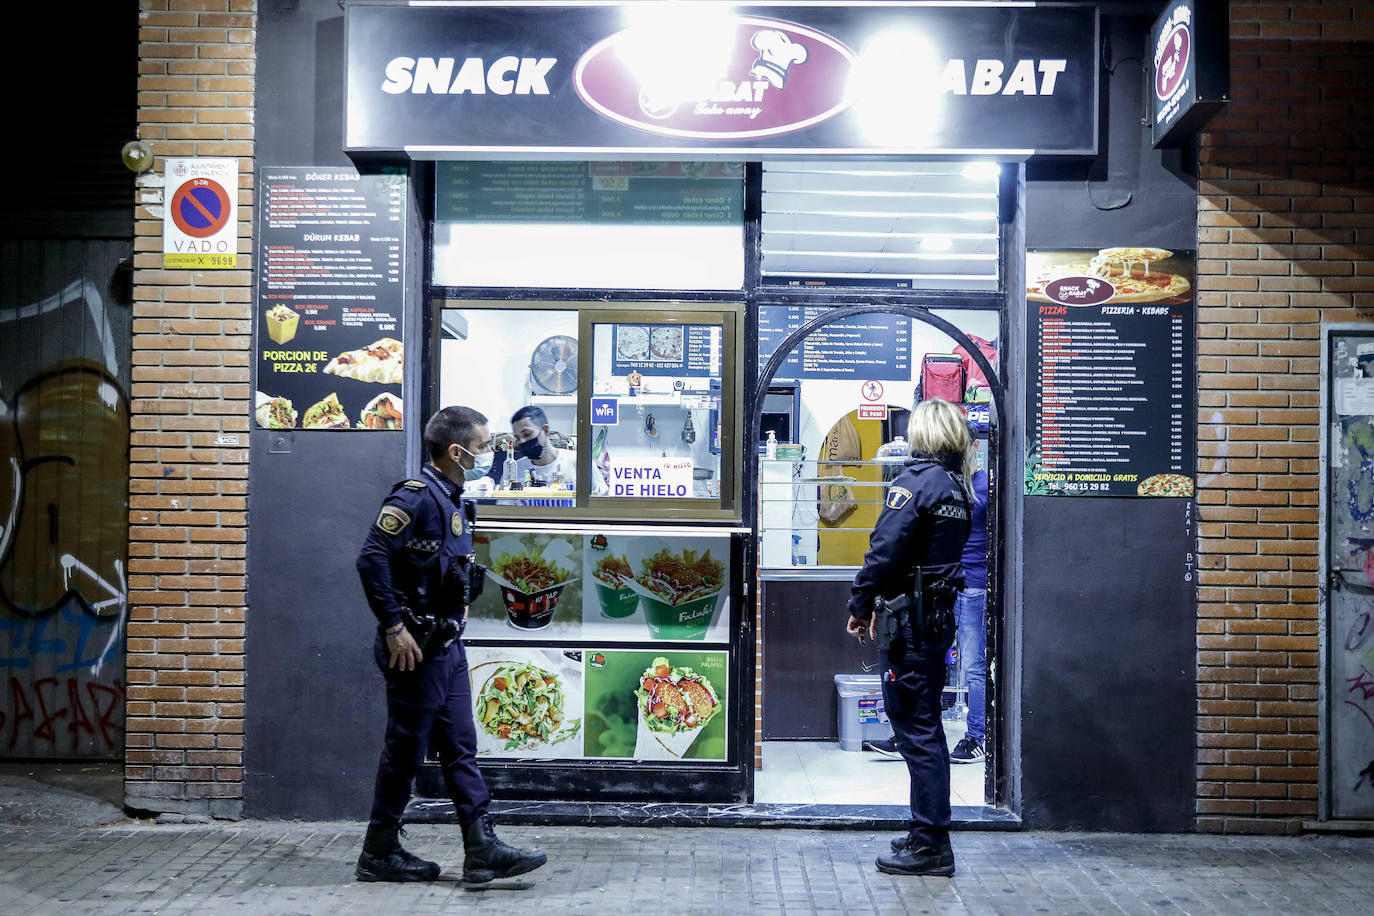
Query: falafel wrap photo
656, 705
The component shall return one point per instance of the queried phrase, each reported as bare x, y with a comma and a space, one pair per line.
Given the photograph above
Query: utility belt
927, 614
434, 631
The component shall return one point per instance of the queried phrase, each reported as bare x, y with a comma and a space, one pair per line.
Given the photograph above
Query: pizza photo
1166, 485
382, 361
632, 342
1130, 270
666, 343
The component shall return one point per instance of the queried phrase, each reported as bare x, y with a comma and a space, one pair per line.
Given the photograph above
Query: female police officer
913, 564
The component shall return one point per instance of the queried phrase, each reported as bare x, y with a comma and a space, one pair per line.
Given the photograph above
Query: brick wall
1286, 235
190, 414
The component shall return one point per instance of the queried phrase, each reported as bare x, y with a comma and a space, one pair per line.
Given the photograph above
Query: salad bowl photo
526, 707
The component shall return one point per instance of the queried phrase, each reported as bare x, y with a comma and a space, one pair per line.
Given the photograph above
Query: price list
1111, 400
329, 291
875, 346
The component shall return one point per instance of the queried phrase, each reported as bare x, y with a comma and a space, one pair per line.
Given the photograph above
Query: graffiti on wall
64, 473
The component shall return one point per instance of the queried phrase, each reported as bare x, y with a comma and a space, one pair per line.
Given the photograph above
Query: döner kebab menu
330, 296
1111, 348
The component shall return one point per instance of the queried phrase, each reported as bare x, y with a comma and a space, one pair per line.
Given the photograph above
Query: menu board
876, 346
611, 192
330, 298
1111, 361
594, 703
674, 350
629, 588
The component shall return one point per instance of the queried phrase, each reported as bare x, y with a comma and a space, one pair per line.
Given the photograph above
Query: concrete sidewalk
298, 868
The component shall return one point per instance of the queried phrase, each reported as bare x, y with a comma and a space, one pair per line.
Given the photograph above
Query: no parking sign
200, 213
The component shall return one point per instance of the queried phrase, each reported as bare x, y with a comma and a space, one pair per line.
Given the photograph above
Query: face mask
530, 449
481, 464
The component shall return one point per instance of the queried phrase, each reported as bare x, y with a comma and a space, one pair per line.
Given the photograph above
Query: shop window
901, 226
599, 412
589, 225
656, 416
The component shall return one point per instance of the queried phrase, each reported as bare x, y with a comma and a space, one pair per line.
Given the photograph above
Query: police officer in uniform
919, 537
419, 576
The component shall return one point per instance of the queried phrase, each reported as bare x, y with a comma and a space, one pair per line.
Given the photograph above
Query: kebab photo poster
330, 299
1111, 346
612, 587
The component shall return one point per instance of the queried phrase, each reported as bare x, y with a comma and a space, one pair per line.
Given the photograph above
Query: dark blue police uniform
414, 556
923, 525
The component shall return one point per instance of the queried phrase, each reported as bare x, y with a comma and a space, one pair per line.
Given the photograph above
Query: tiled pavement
297, 868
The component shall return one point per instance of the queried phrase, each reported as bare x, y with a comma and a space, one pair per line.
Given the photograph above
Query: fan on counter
553, 367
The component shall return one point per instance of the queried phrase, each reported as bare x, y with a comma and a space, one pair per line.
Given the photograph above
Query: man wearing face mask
535, 455
419, 575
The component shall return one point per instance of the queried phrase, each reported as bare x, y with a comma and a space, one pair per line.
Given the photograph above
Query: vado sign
651, 478
200, 224
484, 80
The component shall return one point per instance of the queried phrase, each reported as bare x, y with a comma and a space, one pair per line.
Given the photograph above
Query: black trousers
911, 697
429, 706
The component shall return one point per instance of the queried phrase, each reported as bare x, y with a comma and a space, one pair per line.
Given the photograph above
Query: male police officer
416, 567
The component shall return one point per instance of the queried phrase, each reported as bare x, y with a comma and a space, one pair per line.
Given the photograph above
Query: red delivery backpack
972, 373
942, 377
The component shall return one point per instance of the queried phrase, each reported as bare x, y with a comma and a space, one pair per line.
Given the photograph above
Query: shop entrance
822, 724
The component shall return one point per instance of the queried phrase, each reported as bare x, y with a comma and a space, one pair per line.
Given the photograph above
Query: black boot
383, 859
918, 859
488, 858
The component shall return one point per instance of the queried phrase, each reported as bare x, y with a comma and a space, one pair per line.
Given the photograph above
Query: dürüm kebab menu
330, 299
1111, 349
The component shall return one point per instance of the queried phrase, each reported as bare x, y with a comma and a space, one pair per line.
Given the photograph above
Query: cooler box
861, 713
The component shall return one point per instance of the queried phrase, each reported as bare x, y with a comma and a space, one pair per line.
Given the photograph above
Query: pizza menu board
673, 350
876, 346
1111, 362
610, 192
330, 298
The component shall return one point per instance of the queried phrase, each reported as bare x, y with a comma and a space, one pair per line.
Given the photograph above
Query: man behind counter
535, 454
417, 571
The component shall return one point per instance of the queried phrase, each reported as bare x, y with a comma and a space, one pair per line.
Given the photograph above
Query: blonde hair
940, 429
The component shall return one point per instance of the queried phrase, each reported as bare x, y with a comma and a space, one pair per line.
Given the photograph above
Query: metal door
64, 483
1347, 603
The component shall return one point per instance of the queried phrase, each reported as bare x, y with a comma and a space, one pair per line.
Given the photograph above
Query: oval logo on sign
1172, 62
744, 77
1079, 290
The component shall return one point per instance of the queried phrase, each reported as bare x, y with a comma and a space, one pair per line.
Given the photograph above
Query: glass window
590, 225
518, 367
603, 412
656, 409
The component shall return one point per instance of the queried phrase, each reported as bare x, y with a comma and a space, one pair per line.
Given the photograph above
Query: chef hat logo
1093, 284
777, 54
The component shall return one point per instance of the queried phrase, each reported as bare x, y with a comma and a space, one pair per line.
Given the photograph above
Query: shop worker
419, 576
535, 456
904, 596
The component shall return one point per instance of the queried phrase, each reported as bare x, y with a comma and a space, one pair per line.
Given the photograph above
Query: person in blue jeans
971, 622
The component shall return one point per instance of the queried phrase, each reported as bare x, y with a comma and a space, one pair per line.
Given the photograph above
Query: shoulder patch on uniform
897, 497
392, 520
414, 484
456, 523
